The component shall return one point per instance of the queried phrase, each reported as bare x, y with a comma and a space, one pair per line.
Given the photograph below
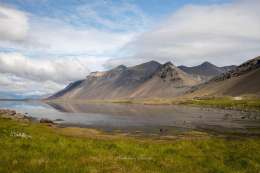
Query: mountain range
206, 70
242, 80
150, 79
155, 80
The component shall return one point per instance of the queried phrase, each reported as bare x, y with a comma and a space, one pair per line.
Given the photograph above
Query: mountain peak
147, 65
204, 71
206, 63
153, 62
169, 63
168, 70
120, 68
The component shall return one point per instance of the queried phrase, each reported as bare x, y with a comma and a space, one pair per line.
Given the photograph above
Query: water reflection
128, 115
143, 118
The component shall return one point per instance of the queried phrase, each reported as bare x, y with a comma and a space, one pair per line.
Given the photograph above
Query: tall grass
44, 149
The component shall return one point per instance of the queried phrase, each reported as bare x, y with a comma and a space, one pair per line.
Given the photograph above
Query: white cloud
110, 15
40, 76
13, 24
58, 37
62, 34
59, 70
222, 33
49, 36
13, 84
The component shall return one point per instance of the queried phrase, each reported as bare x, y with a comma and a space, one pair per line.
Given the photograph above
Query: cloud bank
58, 70
226, 33
34, 76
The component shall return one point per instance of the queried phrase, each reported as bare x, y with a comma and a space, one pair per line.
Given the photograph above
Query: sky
46, 44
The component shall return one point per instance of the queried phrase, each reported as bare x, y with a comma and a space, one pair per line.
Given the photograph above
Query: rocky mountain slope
206, 70
148, 80
243, 80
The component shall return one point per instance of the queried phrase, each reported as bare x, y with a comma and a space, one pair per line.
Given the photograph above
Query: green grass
227, 103
32, 147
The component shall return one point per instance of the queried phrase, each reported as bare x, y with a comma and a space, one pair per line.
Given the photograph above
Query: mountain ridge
206, 70
243, 80
141, 81
155, 80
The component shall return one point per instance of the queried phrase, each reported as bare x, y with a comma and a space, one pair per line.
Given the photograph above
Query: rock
45, 120
163, 130
12, 112
7, 112
29, 117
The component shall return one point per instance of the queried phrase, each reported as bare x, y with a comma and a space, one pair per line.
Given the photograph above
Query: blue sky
70, 11
45, 44
155, 8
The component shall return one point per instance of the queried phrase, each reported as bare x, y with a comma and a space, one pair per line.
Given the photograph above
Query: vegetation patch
226, 103
34, 147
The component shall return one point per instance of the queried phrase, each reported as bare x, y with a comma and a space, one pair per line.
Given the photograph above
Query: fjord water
137, 118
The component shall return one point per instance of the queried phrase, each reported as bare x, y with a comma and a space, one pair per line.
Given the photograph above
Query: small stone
12, 112
59, 119
45, 120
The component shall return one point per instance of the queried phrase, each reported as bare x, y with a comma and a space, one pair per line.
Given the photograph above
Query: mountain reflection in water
148, 117
139, 118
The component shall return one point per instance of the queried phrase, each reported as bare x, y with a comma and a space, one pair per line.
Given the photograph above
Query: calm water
141, 118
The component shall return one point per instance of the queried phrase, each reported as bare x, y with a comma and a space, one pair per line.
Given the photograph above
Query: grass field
32, 147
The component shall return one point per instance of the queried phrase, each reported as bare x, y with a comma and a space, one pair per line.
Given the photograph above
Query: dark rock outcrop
241, 69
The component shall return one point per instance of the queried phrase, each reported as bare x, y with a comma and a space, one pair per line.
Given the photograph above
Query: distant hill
206, 70
18, 96
243, 80
147, 80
